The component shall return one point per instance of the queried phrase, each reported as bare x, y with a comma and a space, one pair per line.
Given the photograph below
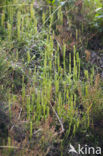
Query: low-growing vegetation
51, 71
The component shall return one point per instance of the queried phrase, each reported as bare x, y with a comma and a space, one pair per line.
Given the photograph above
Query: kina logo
85, 150
72, 150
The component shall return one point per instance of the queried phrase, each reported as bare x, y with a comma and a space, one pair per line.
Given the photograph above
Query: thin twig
62, 127
55, 12
20, 113
37, 131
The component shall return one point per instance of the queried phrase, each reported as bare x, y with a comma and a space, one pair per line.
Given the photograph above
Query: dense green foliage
47, 81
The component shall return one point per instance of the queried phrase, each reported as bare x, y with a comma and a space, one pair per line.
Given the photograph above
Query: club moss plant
53, 83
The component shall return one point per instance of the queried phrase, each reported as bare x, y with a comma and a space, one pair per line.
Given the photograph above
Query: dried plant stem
61, 124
